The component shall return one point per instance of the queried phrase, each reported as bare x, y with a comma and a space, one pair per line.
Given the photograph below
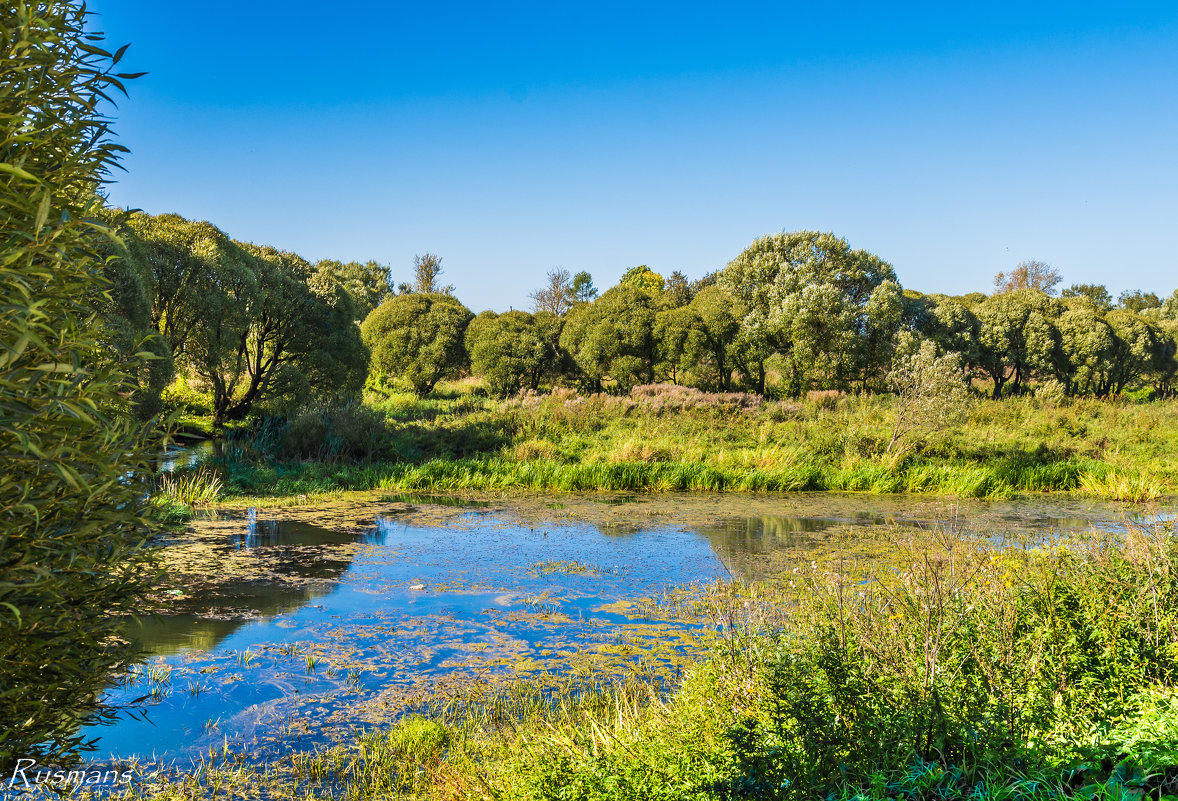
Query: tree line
792, 313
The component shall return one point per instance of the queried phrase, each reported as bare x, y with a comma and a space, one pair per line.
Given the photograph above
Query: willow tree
368, 284
1088, 343
72, 517
510, 351
188, 265
612, 340
266, 334
417, 339
828, 309
1018, 337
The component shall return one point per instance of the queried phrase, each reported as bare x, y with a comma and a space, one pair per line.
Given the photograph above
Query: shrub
73, 488
306, 436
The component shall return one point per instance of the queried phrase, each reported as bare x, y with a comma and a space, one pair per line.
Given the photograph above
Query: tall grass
670, 438
493, 473
191, 487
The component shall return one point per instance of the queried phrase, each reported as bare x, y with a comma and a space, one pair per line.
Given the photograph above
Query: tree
426, 270
368, 284
717, 328
809, 297
127, 311
1169, 309
557, 297
76, 465
1138, 301
509, 351
930, 394
950, 324
417, 339
1017, 337
1139, 349
1088, 347
678, 292
583, 289
612, 339
1028, 275
644, 278
1097, 293
675, 331
187, 264
269, 335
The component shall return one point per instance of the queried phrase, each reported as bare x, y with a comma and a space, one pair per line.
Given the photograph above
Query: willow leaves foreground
72, 524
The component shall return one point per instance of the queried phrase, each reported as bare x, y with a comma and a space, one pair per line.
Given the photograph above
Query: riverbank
683, 440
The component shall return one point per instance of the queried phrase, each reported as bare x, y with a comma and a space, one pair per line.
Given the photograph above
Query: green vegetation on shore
673, 438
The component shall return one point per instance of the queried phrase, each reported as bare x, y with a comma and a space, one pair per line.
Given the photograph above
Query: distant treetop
1031, 274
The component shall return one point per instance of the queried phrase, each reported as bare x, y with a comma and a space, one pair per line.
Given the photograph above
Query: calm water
302, 632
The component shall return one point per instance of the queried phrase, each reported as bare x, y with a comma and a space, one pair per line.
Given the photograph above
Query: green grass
459, 441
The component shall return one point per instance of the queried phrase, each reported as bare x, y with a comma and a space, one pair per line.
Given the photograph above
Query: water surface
294, 627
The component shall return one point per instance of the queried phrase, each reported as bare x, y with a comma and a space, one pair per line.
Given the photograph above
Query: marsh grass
666, 438
1121, 485
191, 487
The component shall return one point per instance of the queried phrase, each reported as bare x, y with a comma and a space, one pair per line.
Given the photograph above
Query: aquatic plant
191, 487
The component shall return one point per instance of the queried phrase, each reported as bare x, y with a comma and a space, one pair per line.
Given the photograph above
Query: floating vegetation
527, 607
563, 567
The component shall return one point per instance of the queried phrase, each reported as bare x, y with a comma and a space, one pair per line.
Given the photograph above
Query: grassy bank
671, 438
962, 670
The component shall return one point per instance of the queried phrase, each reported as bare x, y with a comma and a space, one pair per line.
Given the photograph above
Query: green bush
73, 489
306, 436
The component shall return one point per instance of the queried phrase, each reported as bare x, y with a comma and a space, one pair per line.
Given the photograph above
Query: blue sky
952, 139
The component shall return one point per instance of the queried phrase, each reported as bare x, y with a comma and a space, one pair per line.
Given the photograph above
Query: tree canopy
417, 339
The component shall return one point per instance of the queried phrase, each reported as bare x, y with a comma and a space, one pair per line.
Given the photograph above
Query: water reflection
296, 563
284, 620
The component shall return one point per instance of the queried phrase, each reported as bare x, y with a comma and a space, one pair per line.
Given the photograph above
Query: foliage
1017, 337
426, 270
644, 278
271, 336
1096, 293
510, 351
1087, 341
417, 339
716, 329
368, 285
830, 311
678, 291
930, 394
72, 491
1033, 274
1138, 301
612, 340
583, 289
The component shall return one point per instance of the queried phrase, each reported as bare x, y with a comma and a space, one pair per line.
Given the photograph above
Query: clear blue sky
952, 139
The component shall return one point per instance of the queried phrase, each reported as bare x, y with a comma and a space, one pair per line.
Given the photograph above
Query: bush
306, 436
357, 431
73, 488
